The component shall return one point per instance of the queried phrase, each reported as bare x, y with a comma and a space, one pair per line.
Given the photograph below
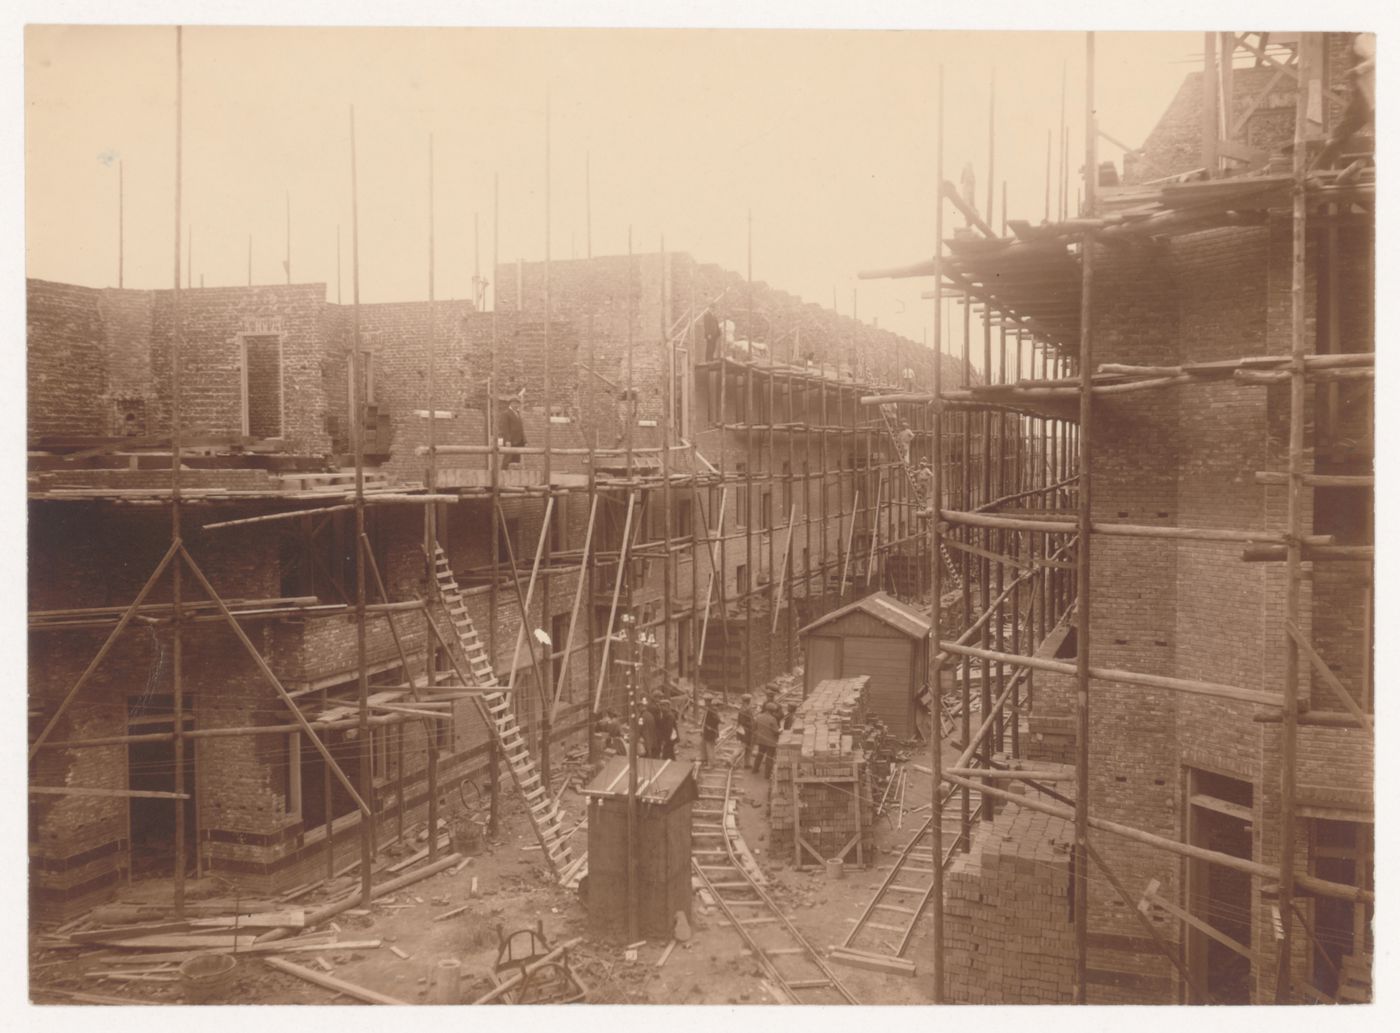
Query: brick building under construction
300, 580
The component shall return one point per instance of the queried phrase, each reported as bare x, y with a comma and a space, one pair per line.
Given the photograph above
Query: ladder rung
896, 907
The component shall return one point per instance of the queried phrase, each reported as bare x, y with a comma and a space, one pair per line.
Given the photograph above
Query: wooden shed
877, 636
665, 792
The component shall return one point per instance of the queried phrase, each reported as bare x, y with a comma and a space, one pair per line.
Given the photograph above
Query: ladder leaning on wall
545, 816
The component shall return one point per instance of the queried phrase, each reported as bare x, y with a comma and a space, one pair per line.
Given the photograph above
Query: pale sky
829, 137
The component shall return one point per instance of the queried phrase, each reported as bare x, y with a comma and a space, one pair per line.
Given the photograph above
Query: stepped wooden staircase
545, 816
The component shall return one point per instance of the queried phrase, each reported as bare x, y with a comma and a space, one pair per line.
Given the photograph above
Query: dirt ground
515, 891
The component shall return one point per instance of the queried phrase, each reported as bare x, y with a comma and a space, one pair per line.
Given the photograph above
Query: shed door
823, 660
888, 695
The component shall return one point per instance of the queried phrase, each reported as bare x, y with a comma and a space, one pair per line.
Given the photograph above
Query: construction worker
649, 745
709, 734
512, 429
666, 733
746, 726
766, 727
1361, 100
710, 324
923, 480
905, 439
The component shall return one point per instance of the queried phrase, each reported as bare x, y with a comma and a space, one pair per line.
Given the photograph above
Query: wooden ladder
915, 491
545, 816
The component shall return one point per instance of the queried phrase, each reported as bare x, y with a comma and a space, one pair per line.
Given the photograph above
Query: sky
828, 138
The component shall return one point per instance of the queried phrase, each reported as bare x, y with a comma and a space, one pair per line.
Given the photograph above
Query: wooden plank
292, 918
122, 931
360, 993
876, 963
229, 940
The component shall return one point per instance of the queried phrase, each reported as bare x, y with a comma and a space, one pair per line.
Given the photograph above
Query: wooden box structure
665, 792
883, 638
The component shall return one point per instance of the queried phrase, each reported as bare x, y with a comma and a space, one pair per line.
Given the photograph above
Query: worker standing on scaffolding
512, 429
709, 322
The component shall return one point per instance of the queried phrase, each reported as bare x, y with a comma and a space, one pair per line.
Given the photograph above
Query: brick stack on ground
1008, 935
824, 740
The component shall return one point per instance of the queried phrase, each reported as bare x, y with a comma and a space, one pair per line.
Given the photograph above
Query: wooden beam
142, 794
1146, 923
573, 617
341, 986
122, 622
1333, 682
1150, 896
276, 684
782, 574
1321, 887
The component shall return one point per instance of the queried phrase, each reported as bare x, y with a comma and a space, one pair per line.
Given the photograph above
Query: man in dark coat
648, 741
710, 324
745, 720
709, 735
765, 728
512, 430
666, 733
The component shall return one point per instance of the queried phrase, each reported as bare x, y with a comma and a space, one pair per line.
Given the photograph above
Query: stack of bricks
1008, 935
824, 743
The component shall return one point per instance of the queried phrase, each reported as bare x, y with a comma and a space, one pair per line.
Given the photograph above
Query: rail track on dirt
726, 873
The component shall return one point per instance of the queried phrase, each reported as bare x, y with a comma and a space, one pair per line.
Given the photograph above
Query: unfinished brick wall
824, 741
1007, 934
66, 360
89, 350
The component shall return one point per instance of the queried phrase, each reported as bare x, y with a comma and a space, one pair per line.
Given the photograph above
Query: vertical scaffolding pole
492, 739
966, 503
176, 610
990, 539
936, 572
1297, 414
429, 532
748, 476
1086, 368
541, 677
357, 446
121, 222
667, 430
287, 261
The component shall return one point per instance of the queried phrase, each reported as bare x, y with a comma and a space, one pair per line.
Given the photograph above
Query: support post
1083, 605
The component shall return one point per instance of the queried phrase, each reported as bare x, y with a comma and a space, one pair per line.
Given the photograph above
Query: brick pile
1008, 938
823, 741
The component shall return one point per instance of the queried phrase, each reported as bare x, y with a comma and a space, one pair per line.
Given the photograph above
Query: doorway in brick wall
262, 386
151, 769
1220, 817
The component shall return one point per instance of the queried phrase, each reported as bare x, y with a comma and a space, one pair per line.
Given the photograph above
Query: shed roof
658, 781
884, 608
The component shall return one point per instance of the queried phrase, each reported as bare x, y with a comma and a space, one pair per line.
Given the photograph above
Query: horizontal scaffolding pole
1320, 887
1109, 674
1201, 534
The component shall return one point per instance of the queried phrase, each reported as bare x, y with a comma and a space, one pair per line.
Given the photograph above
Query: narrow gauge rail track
895, 909
798, 972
